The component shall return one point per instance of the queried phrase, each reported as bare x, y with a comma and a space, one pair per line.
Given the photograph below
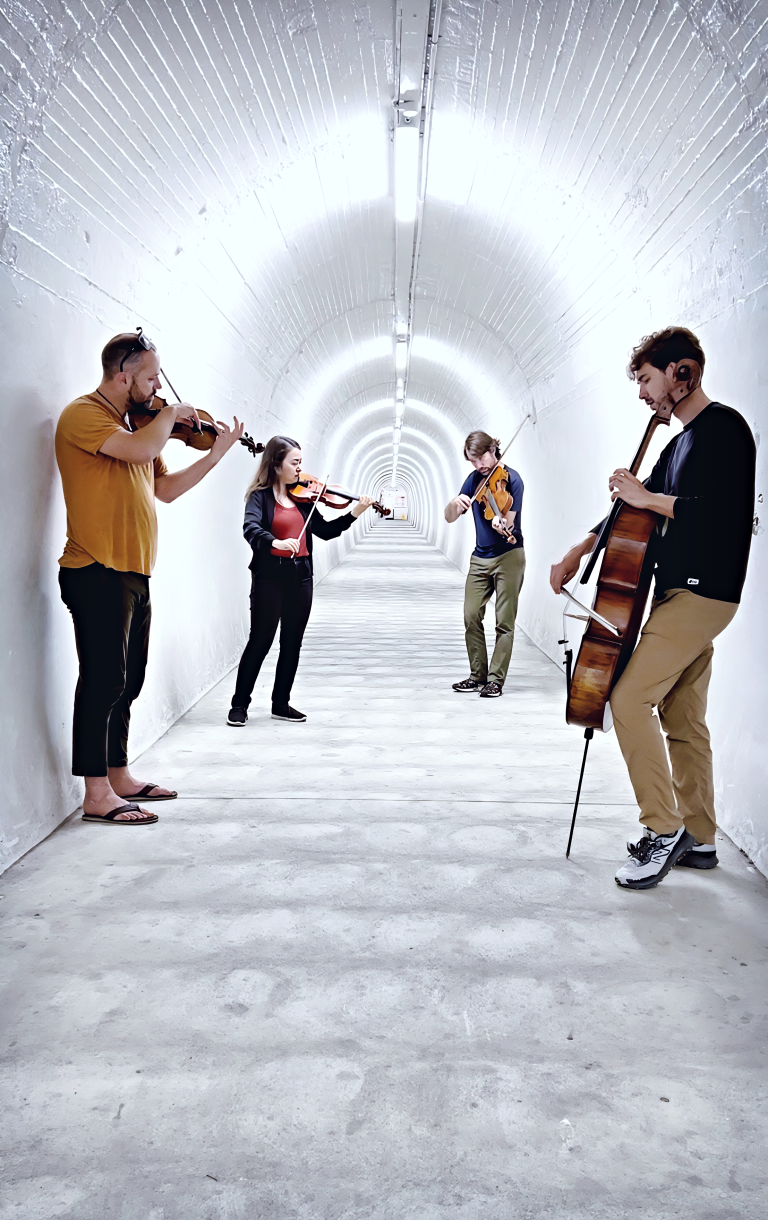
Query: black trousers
111, 612
281, 592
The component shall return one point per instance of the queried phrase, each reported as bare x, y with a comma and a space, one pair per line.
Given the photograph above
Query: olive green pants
670, 670
504, 577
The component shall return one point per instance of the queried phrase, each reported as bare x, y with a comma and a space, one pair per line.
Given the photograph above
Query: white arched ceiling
221, 172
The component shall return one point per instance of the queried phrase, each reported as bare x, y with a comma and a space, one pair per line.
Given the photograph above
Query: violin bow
251, 445
312, 509
487, 478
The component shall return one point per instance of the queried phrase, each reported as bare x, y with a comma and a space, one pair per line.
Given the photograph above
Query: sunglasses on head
141, 343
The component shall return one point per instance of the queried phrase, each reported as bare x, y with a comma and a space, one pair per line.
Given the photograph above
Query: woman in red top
281, 575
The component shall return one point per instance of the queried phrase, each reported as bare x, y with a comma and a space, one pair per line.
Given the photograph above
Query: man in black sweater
703, 489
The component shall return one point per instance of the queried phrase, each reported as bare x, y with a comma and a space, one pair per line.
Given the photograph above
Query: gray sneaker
651, 858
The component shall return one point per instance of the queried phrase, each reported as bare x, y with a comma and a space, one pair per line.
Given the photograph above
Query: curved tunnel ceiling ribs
232, 167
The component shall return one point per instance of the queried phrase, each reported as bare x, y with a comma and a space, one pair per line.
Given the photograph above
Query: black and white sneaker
701, 855
469, 684
237, 717
491, 690
288, 713
651, 858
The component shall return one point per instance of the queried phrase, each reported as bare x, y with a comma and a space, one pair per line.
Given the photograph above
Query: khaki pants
504, 577
670, 669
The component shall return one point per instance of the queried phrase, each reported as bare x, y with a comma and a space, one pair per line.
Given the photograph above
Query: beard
137, 400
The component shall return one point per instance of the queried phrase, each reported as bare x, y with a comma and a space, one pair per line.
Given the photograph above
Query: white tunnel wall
221, 174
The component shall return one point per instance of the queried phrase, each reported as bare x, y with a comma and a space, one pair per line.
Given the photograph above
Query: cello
621, 595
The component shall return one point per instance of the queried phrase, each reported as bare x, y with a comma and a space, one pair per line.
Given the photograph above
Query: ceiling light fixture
406, 172
417, 30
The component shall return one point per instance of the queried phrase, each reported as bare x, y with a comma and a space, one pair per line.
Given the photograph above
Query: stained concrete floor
351, 976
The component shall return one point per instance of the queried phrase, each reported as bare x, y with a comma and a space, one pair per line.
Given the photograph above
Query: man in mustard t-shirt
111, 475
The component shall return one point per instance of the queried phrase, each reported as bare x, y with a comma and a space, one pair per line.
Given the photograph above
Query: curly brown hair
665, 347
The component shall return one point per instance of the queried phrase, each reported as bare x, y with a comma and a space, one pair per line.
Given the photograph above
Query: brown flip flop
111, 817
144, 794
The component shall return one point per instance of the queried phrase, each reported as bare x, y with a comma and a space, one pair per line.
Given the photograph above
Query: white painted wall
222, 176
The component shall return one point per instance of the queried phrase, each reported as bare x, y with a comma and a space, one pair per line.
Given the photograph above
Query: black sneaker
701, 855
491, 690
288, 713
237, 717
468, 684
651, 858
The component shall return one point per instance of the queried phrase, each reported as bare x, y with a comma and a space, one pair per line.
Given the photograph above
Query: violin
622, 588
496, 499
200, 436
493, 492
309, 490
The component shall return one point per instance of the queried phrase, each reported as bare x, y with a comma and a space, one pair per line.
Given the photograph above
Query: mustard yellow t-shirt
111, 514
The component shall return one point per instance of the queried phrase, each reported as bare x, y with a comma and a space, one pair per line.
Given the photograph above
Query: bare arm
363, 503
170, 486
456, 508
145, 444
561, 573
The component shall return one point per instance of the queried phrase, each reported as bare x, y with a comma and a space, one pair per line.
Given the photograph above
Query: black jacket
710, 467
259, 514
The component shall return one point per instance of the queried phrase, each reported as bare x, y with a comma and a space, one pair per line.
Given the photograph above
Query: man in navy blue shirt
497, 566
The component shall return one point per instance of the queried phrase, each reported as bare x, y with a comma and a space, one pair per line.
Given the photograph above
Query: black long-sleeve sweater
259, 515
710, 468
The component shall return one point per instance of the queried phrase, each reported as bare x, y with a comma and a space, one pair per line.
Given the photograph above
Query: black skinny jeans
281, 592
111, 612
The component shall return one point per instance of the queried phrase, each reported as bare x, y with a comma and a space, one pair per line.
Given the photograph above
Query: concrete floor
350, 974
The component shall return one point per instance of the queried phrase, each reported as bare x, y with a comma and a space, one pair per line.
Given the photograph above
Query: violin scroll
251, 445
